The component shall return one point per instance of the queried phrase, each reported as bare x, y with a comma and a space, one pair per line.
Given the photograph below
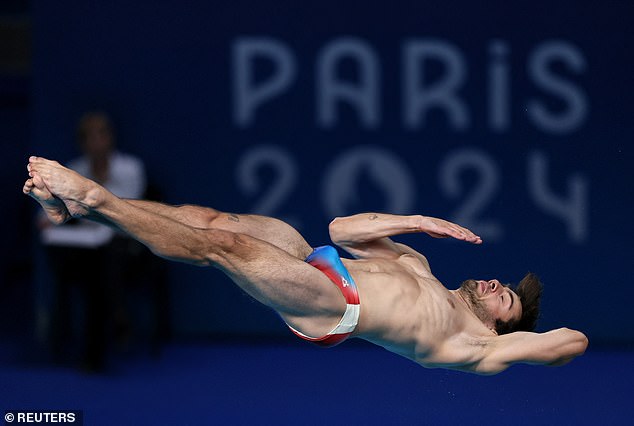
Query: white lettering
499, 86
573, 116
248, 178
341, 186
248, 95
451, 170
363, 96
419, 96
348, 73
573, 211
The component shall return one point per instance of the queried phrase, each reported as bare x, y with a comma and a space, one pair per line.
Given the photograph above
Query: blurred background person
89, 262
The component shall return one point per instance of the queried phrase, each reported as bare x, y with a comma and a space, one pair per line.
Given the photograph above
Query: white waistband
348, 322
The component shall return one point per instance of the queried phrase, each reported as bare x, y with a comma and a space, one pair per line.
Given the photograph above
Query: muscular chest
406, 266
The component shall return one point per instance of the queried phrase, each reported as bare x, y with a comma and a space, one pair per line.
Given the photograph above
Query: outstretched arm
367, 234
553, 348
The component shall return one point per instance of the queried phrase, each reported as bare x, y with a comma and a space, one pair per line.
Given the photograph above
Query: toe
37, 180
39, 194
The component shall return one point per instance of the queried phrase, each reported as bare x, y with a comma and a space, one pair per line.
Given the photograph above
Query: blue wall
514, 119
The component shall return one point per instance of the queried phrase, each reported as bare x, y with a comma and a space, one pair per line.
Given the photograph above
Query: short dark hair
529, 291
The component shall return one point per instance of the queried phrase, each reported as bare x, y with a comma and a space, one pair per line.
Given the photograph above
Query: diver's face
492, 301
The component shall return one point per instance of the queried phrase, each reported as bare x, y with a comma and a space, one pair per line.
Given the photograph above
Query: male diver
386, 295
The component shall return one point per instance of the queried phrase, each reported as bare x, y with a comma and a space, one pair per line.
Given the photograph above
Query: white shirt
126, 179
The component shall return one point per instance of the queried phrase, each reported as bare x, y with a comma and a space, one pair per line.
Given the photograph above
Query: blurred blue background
512, 118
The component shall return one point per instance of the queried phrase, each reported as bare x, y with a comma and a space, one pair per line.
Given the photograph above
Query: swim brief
327, 260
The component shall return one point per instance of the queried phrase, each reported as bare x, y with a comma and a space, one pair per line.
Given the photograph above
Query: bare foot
78, 193
53, 207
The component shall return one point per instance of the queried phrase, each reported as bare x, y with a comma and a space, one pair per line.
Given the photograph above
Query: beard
468, 289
